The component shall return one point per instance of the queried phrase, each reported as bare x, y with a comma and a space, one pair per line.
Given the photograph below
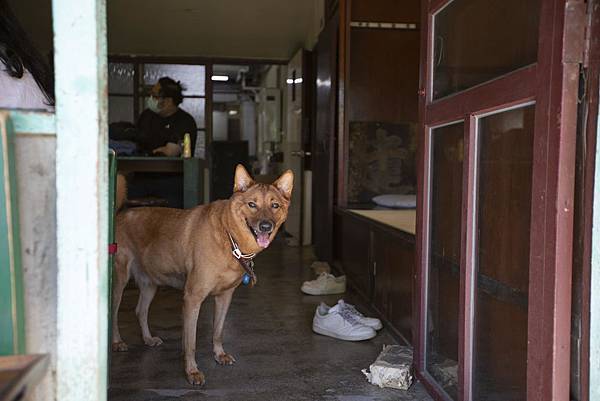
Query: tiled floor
268, 330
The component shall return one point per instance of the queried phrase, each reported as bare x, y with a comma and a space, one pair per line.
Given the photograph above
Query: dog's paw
195, 378
120, 346
152, 341
224, 359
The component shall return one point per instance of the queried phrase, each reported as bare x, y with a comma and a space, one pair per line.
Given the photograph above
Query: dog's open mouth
263, 239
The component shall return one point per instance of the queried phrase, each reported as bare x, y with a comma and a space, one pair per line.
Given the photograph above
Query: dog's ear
285, 183
242, 180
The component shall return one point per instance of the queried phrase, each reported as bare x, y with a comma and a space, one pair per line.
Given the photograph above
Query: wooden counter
376, 251
402, 219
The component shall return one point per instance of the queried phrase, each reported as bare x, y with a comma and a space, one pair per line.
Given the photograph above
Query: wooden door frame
590, 344
299, 181
552, 83
327, 252
343, 123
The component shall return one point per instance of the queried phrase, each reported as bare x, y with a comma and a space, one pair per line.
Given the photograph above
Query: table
191, 168
18, 373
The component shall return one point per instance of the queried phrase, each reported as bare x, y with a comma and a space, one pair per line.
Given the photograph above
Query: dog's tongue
263, 240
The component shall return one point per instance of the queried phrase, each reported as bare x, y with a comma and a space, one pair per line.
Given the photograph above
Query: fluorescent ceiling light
298, 81
222, 78
233, 112
289, 81
324, 83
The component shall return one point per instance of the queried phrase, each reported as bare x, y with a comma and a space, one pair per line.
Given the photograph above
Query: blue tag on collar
246, 279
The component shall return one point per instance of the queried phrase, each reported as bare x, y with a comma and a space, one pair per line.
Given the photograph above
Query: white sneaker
338, 323
372, 322
325, 284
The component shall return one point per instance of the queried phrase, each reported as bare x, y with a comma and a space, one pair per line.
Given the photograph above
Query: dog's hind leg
120, 279
222, 302
147, 292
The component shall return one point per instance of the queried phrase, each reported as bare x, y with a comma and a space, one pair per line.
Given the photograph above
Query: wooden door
323, 140
494, 227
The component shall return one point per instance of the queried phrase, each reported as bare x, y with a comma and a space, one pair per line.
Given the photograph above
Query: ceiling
231, 70
270, 29
257, 29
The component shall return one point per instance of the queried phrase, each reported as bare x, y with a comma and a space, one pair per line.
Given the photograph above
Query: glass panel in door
502, 254
120, 109
444, 256
479, 40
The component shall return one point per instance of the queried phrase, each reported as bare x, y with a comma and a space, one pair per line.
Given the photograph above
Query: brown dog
195, 250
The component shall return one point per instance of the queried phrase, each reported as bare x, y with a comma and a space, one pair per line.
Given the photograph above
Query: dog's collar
246, 260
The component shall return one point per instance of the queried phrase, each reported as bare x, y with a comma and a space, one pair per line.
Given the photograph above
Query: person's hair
18, 54
170, 88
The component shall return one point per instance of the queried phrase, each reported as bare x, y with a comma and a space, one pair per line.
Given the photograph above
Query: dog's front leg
222, 302
192, 301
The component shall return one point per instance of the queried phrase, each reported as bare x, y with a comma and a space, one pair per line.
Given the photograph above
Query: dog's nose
265, 226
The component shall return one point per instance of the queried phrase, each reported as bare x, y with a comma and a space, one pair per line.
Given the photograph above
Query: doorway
493, 251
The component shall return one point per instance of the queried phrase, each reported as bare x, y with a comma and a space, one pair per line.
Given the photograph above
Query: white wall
271, 78
36, 191
317, 23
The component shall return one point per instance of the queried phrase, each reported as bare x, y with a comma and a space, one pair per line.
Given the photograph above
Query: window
128, 92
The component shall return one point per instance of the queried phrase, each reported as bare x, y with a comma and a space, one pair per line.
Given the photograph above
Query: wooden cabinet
353, 252
393, 268
379, 262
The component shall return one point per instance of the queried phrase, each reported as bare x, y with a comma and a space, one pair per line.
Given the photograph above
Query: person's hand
170, 149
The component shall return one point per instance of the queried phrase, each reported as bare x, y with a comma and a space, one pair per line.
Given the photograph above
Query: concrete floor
268, 330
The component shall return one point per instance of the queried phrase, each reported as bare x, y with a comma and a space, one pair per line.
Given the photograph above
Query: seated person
162, 126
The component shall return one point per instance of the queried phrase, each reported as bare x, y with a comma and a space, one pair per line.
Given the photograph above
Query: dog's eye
252, 205
275, 205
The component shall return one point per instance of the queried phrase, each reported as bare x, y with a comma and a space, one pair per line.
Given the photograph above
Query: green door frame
12, 316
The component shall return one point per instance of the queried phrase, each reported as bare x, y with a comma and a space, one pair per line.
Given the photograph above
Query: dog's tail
121, 192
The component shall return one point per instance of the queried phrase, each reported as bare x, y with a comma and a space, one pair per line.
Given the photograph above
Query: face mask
152, 104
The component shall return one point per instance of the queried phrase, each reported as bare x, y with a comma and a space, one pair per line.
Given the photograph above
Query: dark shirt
155, 131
